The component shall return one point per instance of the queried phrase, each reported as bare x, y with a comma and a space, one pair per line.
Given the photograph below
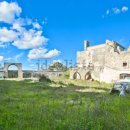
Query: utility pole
46, 63
38, 65
70, 64
66, 63
42, 67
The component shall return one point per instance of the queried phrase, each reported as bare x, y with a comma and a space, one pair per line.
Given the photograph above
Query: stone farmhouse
108, 62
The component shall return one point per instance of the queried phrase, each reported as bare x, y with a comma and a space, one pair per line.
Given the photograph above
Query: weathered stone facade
4, 71
18, 65
106, 62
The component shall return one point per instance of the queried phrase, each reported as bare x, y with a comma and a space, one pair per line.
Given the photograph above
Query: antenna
38, 64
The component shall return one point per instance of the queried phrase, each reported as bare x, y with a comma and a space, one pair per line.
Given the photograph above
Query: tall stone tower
86, 45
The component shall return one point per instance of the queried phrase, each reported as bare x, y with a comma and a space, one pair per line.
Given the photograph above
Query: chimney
86, 44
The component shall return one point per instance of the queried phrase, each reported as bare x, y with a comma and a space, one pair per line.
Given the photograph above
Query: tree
57, 66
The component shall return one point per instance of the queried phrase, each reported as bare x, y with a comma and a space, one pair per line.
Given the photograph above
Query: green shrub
96, 82
71, 84
67, 74
61, 83
44, 78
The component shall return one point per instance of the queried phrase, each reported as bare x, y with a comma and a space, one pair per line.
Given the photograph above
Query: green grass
58, 105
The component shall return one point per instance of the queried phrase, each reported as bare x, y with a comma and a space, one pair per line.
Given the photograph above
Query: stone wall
49, 74
109, 60
83, 72
110, 75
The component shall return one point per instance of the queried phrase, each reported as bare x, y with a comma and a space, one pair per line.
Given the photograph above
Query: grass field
62, 104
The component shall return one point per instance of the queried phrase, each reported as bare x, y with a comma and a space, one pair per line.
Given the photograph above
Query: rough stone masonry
106, 62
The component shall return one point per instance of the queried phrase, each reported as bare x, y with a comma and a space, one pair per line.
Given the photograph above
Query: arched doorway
12, 71
88, 76
76, 75
19, 68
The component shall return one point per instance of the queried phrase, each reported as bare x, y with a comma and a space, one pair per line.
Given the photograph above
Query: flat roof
119, 45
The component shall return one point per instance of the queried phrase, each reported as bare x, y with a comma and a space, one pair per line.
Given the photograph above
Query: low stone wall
50, 74
1, 74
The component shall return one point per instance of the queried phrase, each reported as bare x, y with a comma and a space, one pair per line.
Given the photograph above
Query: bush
67, 75
44, 78
96, 82
71, 84
61, 83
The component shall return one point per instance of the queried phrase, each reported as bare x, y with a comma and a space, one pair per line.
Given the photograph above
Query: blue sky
58, 28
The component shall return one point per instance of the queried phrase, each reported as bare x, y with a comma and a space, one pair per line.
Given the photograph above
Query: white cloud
18, 56
15, 58
107, 12
30, 39
116, 10
21, 23
24, 33
9, 11
32, 65
40, 53
52, 53
16, 26
7, 35
45, 21
36, 25
9, 59
1, 58
124, 9
3, 46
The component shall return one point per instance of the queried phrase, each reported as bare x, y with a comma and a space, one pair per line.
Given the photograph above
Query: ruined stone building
106, 62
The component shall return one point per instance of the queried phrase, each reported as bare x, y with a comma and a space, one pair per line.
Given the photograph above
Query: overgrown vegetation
57, 66
43, 78
77, 105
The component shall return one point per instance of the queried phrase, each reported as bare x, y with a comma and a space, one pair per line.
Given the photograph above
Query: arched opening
76, 75
88, 76
12, 71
